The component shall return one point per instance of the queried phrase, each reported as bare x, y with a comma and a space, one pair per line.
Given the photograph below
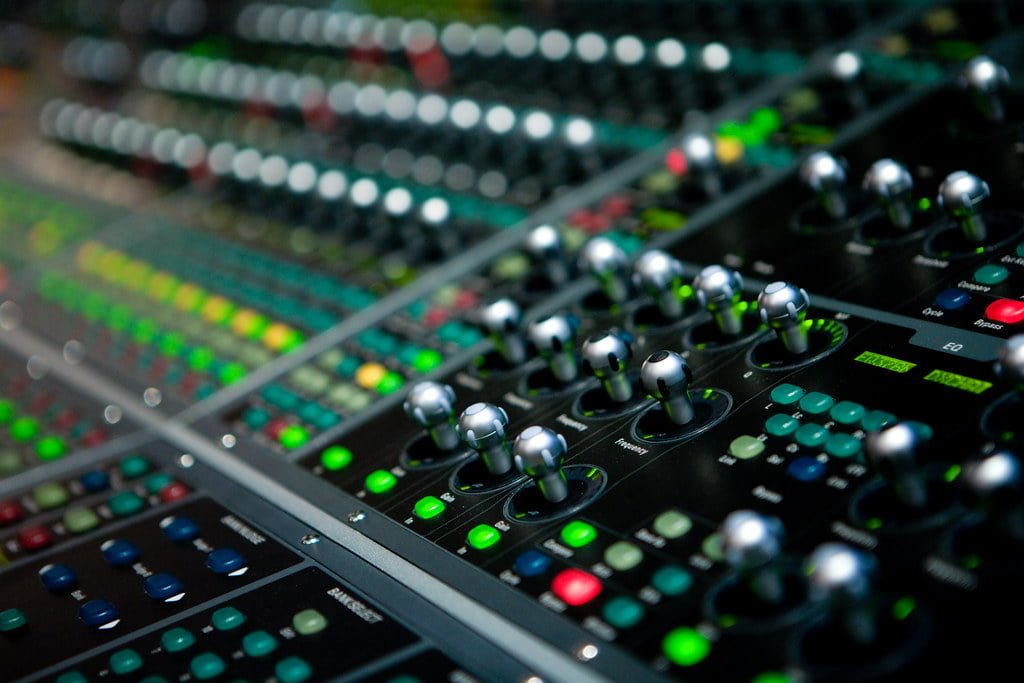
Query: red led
10, 512
35, 537
173, 491
675, 162
466, 299
94, 437
616, 206
1009, 311
274, 427
435, 317
575, 587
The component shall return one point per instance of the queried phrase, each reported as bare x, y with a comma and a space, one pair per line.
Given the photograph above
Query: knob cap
539, 454
1010, 362
893, 452
482, 426
750, 543
554, 337
963, 197
997, 484
501, 319
719, 290
608, 264
986, 80
666, 376
783, 307
701, 161
544, 245
825, 175
843, 579
892, 187
660, 276
431, 405
605, 356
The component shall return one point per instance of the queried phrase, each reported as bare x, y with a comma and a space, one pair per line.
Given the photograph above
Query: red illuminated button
173, 491
10, 512
575, 587
35, 537
1009, 311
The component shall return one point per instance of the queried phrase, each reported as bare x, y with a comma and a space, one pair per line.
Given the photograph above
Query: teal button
847, 412
816, 403
154, 679
207, 665
787, 394
746, 447
134, 466
258, 644
924, 431
842, 445
125, 503
781, 425
125, 661
811, 435
155, 482
227, 618
293, 670
672, 580
11, 619
177, 639
877, 420
71, 677
991, 274
623, 612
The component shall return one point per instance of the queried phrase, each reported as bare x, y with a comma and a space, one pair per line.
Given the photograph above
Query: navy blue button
120, 553
58, 577
163, 586
952, 299
532, 563
97, 612
179, 528
225, 561
806, 469
95, 480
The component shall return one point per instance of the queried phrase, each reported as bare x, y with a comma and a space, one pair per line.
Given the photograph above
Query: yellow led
161, 286
188, 297
111, 264
217, 310
370, 374
88, 255
728, 149
280, 337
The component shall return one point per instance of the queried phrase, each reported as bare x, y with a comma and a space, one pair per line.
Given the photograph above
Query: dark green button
227, 618
816, 403
623, 612
134, 466
10, 462
125, 661
207, 665
293, 670
746, 447
842, 445
71, 677
991, 274
11, 619
811, 435
672, 580
258, 644
877, 420
781, 425
847, 412
157, 481
125, 503
177, 639
787, 394
925, 432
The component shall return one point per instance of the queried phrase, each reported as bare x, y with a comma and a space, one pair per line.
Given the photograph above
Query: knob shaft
719, 290
544, 245
554, 337
893, 452
986, 81
892, 187
997, 484
539, 454
660, 276
825, 175
701, 162
608, 264
843, 579
666, 376
605, 356
1010, 362
501, 319
783, 307
482, 426
431, 405
751, 542
963, 197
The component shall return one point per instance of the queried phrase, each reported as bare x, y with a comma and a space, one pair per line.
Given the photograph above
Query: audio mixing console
511, 341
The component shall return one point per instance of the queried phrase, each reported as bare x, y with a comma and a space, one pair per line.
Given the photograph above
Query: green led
923, 204
426, 360
200, 358
389, 383
6, 411
428, 507
483, 536
685, 646
951, 474
171, 344
874, 523
51, 448
231, 373
380, 481
771, 677
577, 534
293, 436
335, 458
145, 330
902, 608
24, 429
971, 562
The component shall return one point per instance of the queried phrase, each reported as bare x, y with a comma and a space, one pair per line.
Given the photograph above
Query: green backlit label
886, 362
950, 379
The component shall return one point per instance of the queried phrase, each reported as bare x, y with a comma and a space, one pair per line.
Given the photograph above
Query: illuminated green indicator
902, 608
950, 379
426, 360
874, 523
336, 458
6, 411
428, 507
771, 677
50, 448
685, 646
389, 383
231, 373
24, 429
200, 358
293, 436
885, 362
577, 534
972, 561
483, 537
951, 474
380, 481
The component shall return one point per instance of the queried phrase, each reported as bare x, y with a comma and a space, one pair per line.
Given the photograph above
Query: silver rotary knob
892, 187
539, 454
893, 452
751, 542
701, 161
1010, 362
554, 338
996, 482
608, 264
544, 245
482, 426
666, 376
783, 307
660, 276
606, 357
963, 197
431, 405
843, 579
719, 290
501, 319
986, 81
825, 175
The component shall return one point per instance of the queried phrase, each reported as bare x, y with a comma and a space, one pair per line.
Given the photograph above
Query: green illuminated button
11, 619
51, 448
134, 466
71, 677
50, 495
125, 503
177, 639
308, 621
685, 646
293, 436
991, 274
380, 481
6, 411
125, 661
746, 447
207, 665
672, 580
623, 556
781, 425
577, 534
80, 519
672, 524
623, 612
335, 458
483, 536
842, 445
227, 618
811, 435
10, 462
847, 412
24, 429
426, 360
428, 507
258, 644
293, 670
877, 420
816, 403
771, 677
787, 394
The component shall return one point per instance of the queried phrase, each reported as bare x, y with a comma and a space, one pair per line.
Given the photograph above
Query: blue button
95, 480
97, 612
806, 469
532, 563
179, 528
163, 586
952, 299
120, 553
58, 577
225, 561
